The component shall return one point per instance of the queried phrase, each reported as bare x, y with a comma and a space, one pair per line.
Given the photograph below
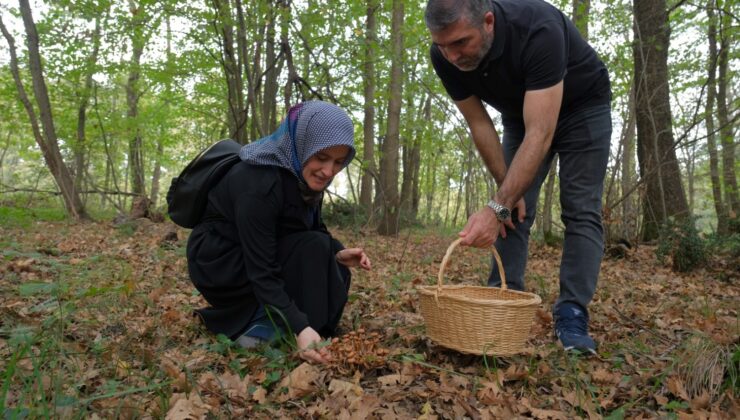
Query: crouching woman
262, 257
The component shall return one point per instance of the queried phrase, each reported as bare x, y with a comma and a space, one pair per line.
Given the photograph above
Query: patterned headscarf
309, 128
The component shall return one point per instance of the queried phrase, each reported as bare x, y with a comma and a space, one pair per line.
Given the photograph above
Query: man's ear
488, 21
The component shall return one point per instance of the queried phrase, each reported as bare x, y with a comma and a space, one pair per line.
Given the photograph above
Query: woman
261, 255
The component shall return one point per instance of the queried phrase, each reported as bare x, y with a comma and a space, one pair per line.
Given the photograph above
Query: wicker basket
477, 319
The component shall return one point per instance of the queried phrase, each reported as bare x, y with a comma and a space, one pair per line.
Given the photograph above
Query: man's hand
354, 257
482, 229
309, 342
521, 212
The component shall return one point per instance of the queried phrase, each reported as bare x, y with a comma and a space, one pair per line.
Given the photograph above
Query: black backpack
188, 193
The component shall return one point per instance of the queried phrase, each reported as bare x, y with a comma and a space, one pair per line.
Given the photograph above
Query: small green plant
680, 241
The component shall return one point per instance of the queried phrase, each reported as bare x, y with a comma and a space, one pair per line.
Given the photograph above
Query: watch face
503, 213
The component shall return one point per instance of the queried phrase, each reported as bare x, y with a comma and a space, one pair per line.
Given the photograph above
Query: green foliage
24, 217
344, 214
680, 241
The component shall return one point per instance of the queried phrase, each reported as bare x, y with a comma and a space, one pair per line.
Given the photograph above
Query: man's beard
471, 63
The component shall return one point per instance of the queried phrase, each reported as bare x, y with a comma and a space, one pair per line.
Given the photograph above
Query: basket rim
531, 298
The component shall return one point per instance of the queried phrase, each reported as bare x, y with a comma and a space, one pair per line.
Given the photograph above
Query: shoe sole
574, 348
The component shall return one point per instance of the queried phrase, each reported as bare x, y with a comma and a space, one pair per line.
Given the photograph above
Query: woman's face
320, 168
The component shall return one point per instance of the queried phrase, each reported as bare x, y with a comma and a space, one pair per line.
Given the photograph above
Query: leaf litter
99, 318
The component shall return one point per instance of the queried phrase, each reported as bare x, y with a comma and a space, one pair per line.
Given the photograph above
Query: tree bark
231, 62
133, 94
269, 97
47, 141
389, 223
548, 201
665, 197
719, 206
416, 160
80, 149
410, 176
581, 16
726, 128
368, 126
629, 203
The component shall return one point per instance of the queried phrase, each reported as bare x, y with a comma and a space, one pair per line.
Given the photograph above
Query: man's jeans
582, 142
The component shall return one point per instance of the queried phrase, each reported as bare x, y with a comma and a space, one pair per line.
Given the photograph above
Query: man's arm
484, 135
541, 111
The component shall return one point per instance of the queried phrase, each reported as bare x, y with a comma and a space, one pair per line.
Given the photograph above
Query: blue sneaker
571, 327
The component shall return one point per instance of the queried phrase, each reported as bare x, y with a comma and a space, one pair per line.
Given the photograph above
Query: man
528, 61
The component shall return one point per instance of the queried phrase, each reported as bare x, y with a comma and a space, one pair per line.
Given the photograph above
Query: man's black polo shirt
534, 47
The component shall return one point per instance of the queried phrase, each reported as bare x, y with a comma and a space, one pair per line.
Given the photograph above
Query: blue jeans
582, 142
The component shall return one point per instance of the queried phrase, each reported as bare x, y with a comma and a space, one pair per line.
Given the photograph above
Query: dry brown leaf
260, 395
235, 386
603, 376
187, 407
389, 380
677, 388
489, 393
346, 389
299, 382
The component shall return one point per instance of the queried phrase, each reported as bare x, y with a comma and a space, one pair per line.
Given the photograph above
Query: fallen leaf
299, 383
187, 407
676, 386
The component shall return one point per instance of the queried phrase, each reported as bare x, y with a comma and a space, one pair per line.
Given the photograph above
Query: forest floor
96, 322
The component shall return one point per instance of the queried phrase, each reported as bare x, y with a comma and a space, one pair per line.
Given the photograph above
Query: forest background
102, 102
117, 96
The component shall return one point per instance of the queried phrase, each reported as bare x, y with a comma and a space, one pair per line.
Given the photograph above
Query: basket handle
446, 261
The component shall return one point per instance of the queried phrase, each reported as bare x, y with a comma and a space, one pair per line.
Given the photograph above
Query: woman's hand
309, 347
354, 257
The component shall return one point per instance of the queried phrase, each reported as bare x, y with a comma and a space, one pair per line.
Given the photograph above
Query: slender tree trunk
665, 197
431, 184
269, 96
389, 223
726, 128
581, 16
719, 207
547, 203
368, 126
47, 141
80, 149
411, 147
231, 62
629, 205
133, 94
416, 161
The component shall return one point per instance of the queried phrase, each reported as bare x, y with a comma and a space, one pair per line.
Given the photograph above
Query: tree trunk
719, 206
47, 140
431, 184
580, 16
389, 224
368, 126
269, 96
136, 152
416, 160
81, 146
231, 62
629, 203
411, 164
665, 197
548, 201
726, 127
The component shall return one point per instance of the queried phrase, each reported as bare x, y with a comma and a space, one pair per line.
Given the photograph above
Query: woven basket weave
476, 319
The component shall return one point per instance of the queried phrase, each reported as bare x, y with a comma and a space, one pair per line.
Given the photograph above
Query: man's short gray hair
440, 14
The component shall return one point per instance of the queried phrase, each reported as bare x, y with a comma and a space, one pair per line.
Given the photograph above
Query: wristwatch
502, 213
